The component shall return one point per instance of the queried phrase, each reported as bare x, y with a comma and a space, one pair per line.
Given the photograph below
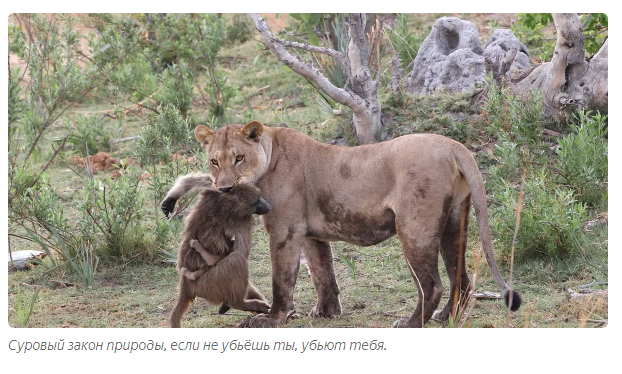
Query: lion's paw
331, 310
440, 315
400, 323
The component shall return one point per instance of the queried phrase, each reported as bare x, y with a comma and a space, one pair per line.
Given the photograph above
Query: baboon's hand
193, 243
168, 205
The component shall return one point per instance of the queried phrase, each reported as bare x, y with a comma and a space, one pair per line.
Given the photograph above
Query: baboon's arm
193, 275
209, 258
182, 186
242, 244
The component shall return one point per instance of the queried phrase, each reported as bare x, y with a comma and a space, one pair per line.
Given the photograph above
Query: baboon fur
222, 224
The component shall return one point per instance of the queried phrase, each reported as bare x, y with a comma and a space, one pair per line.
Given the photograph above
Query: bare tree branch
339, 56
339, 95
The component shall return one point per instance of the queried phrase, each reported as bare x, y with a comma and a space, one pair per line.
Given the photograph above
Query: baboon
213, 255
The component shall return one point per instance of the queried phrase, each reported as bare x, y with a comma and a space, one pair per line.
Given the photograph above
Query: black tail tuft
515, 300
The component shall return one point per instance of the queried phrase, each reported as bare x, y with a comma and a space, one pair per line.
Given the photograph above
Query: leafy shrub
406, 41
550, 219
163, 134
89, 136
240, 30
553, 214
583, 158
530, 30
177, 87
111, 214
519, 119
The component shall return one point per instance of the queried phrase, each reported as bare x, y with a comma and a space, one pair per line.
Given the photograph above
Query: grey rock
451, 57
502, 41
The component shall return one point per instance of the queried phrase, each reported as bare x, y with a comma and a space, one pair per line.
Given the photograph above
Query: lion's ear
203, 134
252, 130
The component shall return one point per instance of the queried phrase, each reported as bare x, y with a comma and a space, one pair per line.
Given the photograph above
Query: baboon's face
245, 200
234, 154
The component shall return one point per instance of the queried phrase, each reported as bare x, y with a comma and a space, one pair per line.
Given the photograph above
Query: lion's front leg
320, 260
285, 255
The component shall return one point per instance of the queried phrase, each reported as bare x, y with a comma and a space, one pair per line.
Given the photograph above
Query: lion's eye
239, 158
214, 162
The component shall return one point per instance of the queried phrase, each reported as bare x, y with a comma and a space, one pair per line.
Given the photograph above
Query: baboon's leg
184, 300
320, 261
193, 275
251, 305
209, 258
450, 251
224, 308
421, 244
253, 293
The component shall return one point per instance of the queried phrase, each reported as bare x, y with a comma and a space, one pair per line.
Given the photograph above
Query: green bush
111, 214
583, 159
162, 135
529, 29
89, 136
555, 202
551, 217
240, 30
519, 119
405, 40
177, 87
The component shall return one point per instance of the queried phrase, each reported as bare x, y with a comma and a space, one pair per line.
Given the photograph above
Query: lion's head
235, 153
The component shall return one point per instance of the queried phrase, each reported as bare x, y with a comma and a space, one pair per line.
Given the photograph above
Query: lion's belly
333, 222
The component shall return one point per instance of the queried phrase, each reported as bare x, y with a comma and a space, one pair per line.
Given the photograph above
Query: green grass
383, 290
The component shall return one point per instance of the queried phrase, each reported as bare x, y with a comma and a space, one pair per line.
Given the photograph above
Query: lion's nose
225, 189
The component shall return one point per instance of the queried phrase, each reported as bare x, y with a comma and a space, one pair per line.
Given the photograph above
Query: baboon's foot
224, 308
194, 244
188, 274
253, 305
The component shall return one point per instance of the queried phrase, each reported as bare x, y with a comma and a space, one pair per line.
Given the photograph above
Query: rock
22, 258
502, 41
451, 57
337, 141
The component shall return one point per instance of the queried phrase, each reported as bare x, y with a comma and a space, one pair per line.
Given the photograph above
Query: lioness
213, 255
415, 185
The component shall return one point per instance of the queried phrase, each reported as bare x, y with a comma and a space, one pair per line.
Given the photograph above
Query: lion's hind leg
453, 249
421, 246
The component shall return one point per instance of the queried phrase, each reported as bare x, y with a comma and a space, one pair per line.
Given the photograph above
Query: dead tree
570, 80
360, 93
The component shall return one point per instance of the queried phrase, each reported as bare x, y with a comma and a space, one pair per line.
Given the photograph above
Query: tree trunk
367, 118
570, 80
361, 92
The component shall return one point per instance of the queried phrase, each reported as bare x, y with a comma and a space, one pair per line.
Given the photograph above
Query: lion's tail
469, 169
